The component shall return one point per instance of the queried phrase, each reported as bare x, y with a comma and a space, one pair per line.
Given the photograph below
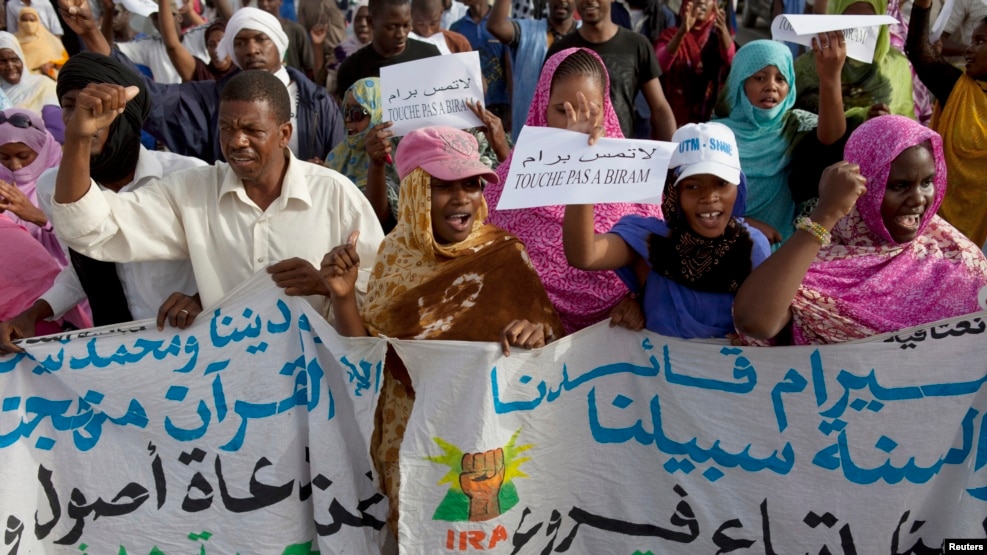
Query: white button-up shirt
204, 215
151, 52
146, 284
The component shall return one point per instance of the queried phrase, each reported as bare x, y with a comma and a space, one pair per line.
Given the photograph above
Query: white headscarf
33, 91
254, 20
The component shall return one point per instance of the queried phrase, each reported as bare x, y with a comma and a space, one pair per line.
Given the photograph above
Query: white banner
610, 441
860, 31
556, 166
243, 434
249, 434
432, 91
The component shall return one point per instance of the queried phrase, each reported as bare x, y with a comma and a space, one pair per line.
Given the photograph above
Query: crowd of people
147, 177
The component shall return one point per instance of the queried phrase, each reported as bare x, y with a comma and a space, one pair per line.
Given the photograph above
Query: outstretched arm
180, 57
936, 73
763, 303
79, 18
96, 106
499, 23
339, 271
584, 248
830, 50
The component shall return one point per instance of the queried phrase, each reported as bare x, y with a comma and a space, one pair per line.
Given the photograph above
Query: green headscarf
887, 80
837, 7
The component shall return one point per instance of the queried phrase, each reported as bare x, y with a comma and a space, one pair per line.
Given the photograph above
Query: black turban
119, 155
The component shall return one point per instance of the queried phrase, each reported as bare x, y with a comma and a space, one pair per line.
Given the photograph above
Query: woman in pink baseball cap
438, 275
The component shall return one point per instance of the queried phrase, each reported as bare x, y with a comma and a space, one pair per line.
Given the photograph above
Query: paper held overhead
556, 166
146, 7
860, 31
433, 91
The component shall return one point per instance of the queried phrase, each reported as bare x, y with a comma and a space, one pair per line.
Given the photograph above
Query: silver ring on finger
183, 311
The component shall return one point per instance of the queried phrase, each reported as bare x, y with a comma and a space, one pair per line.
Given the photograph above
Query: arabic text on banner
249, 433
243, 434
611, 441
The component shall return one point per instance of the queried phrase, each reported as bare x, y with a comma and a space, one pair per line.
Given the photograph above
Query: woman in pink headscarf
581, 298
26, 272
27, 149
874, 264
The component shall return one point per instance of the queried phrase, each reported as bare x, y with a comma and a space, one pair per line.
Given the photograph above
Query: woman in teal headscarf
758, 105
881, 87
366, 132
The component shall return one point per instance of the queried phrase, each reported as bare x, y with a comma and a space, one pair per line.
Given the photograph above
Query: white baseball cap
706, 148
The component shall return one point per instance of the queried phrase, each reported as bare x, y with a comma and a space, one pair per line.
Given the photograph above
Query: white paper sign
860, 31
940, 25
432, 91
140, 7
555, 166
437, 40
145, 8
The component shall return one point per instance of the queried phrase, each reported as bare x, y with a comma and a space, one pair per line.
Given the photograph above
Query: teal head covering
349, 157
764, 136
734, 104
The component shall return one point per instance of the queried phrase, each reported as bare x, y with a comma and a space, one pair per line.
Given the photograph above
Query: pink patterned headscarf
865, 283
581, 298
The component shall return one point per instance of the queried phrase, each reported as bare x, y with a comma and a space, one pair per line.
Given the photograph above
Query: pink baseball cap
443, 152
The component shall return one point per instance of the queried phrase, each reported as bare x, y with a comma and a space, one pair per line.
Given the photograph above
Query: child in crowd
758, 106
688, 266
362, 155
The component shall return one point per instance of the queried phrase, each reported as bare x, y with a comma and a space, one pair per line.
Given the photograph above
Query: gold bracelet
818, 232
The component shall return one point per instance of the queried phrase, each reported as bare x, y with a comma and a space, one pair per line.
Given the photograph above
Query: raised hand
339, 268
377, 142
586, 117
493, 128
839, 188
830, 54
96, 106
78, 15
481, 480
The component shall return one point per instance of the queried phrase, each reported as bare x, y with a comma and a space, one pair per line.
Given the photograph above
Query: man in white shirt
265, 209
117, 293
46, 12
